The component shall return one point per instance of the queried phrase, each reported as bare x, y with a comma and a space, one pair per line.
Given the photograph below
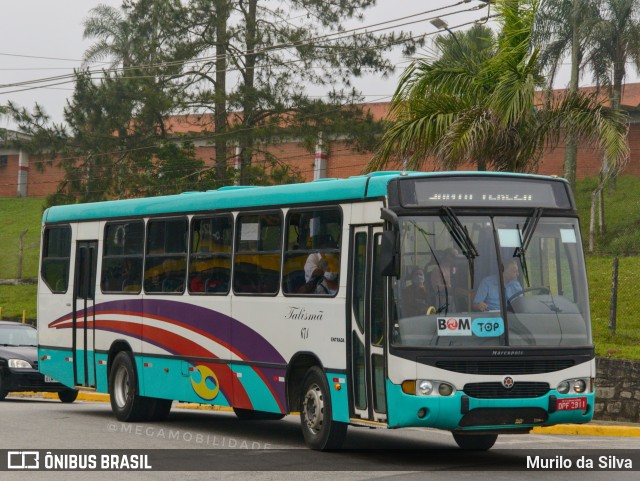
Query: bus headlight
579, 386
19, 364
445, 389
425, 388
574, 386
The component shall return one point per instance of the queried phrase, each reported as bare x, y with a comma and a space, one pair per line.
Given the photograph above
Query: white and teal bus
214, 298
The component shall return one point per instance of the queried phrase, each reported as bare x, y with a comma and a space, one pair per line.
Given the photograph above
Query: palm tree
617, 41
617, 38
484, 109
114, 37
565, 28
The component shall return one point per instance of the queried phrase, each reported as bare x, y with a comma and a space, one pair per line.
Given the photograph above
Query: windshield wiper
426, 235
525, 238
461, 237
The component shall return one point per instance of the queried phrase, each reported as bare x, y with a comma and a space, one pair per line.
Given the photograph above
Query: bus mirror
389, 255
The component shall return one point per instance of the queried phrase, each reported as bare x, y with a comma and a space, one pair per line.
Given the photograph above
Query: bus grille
509, 366
493, 390
503, 417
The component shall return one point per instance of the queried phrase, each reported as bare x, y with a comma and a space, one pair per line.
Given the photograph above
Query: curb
591, 429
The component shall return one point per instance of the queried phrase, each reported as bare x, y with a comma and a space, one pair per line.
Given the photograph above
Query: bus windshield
490, 281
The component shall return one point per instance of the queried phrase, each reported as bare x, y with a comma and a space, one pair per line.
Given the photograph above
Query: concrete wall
617, 390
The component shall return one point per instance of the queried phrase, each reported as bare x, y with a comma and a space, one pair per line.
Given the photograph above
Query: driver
488, 295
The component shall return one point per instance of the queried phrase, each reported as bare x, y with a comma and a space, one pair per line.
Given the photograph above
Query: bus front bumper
462, 412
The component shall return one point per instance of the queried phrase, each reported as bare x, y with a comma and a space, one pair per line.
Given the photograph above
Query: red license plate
571, 403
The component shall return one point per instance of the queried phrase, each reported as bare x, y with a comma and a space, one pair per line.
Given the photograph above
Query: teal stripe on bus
363, 187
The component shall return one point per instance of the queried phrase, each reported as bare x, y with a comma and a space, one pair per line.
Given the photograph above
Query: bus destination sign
483, 192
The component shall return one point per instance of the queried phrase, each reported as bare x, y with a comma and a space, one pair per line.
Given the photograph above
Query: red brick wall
342, 161
9, 177
45, 182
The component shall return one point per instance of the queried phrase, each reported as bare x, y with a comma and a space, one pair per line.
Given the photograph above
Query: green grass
625, 344
622, 211
16, 215
15, 299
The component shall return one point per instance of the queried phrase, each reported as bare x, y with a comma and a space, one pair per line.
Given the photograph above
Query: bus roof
356, 188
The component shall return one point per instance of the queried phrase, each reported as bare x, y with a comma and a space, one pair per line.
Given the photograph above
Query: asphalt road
223, 447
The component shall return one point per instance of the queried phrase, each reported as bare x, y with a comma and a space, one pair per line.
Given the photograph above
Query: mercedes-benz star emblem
508, 382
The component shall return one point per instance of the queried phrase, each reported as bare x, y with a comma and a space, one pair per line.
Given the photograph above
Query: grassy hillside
16, 215
622, 216
625, 344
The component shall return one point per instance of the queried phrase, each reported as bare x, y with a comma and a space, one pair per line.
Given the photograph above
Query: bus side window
312, 252
122, 257
258, 247
166, 256
210, 258
56, 255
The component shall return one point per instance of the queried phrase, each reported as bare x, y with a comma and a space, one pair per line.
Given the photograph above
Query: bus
213, 298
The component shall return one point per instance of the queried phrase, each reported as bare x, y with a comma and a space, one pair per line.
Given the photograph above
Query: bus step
367, 423
84, 388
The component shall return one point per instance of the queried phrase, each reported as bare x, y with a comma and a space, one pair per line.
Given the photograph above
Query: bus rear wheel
68, 395
126, 403
159, 409
251, 415
475, 442
320, 431
3, 392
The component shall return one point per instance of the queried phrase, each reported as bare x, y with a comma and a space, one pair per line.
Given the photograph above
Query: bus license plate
569, 404
49, 379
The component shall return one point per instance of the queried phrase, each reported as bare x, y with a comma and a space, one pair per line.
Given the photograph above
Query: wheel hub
121, 388
313, 406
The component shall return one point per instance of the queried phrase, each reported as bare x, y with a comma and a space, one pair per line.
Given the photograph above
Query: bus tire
159, 409
320, 431
251, 415
3, 392
68, 395
126, 403
475, 442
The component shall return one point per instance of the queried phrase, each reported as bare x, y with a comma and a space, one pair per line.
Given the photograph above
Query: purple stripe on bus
243, 340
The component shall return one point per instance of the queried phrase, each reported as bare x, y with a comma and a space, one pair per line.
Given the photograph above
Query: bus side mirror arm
390, 247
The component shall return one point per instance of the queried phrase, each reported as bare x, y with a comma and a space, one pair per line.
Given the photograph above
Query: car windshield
490, 281
18, 336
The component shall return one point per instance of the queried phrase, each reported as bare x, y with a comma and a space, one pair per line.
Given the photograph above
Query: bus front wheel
475, 442
320, 431
127, 405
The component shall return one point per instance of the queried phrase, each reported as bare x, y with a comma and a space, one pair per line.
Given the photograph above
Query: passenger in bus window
328, 283
441, 276
321, 269
415, 296
153, 283
488, 295
320, 258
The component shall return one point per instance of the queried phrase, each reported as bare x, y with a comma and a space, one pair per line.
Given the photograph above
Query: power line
326, 37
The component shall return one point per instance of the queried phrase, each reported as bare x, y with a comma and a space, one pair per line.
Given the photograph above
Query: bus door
83, 313
367, 363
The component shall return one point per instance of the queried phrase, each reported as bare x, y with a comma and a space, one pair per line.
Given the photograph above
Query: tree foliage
483, 108
241, 69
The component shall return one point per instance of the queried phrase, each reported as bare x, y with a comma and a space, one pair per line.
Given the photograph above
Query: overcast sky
52, 30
